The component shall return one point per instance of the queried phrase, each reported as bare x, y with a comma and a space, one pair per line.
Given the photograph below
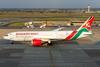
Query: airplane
44, 38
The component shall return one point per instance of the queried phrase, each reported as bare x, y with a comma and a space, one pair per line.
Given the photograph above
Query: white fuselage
29, 35
43, 35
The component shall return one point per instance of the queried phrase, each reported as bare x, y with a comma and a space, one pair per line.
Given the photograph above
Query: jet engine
36, 42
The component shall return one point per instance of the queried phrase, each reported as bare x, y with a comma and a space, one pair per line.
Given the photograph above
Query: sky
49, 3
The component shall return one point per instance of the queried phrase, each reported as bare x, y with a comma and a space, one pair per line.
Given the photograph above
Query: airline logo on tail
86, 27
88, 23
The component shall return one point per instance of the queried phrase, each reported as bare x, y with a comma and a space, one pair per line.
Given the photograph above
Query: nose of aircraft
6, 37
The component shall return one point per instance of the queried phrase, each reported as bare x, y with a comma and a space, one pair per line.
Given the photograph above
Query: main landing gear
47, 44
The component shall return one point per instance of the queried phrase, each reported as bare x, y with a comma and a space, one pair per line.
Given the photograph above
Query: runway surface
61, 54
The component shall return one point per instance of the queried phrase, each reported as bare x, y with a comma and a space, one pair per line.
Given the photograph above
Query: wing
58, 29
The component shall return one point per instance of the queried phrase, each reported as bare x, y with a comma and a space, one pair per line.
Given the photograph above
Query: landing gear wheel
12, 42
45, 44
50, 44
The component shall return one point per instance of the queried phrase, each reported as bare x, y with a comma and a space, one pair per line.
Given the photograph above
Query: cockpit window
6, 35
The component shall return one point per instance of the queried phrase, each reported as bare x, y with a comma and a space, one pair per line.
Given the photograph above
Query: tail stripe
74, 35
79, 33
71, 35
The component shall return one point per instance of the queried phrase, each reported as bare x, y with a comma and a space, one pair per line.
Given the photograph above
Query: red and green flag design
86, 27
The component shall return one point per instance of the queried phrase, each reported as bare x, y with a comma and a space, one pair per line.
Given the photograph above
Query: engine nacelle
36, 42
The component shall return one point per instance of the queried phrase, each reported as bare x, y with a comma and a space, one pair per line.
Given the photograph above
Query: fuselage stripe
75, 34
71, 35
79, 33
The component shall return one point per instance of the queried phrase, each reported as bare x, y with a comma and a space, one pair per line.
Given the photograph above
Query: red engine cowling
36, 42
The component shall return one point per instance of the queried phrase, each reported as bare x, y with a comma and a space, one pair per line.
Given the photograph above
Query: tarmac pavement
84, 52
61, 54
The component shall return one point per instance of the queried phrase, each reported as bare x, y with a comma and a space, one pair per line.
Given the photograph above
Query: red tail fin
87, 23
